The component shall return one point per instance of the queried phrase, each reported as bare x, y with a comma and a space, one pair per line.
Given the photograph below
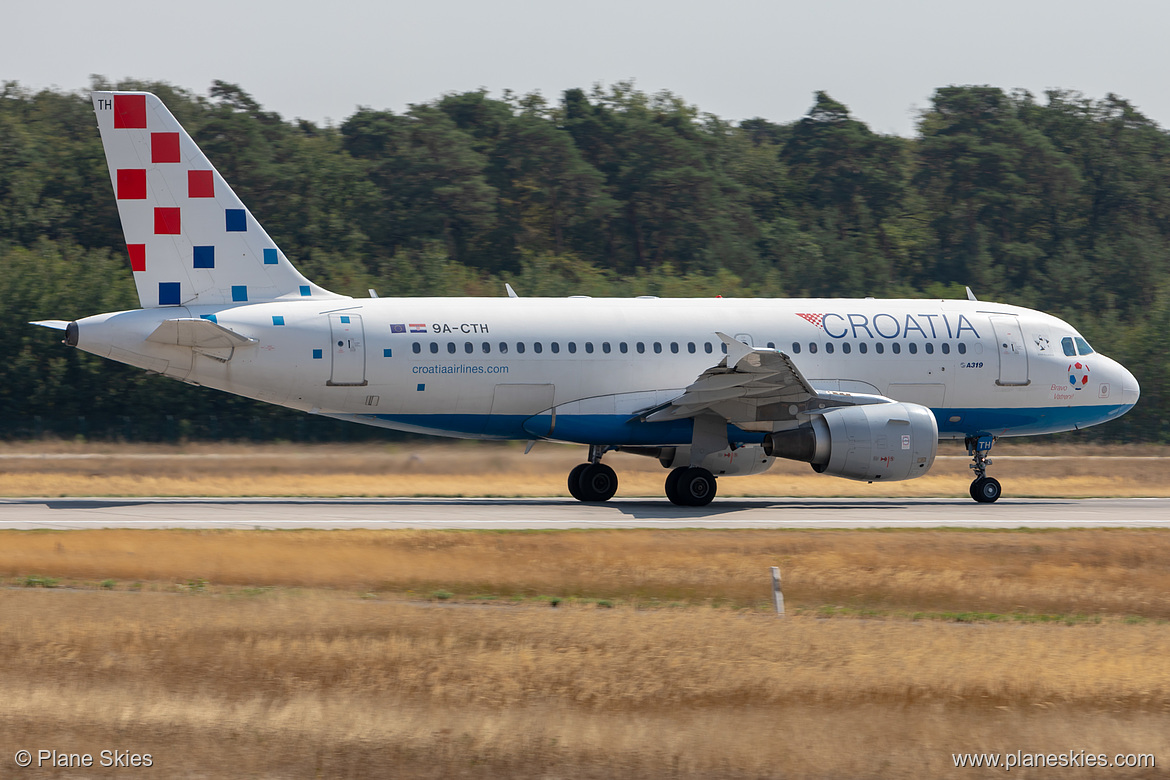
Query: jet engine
876, 441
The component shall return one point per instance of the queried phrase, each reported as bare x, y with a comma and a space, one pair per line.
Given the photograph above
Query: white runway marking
552, 513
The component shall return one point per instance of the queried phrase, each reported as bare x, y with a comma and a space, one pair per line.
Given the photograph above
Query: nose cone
1130, 390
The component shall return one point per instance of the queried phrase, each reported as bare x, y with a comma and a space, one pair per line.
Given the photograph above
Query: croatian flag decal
418, 327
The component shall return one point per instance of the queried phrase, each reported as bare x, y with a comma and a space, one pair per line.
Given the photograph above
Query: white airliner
861, 389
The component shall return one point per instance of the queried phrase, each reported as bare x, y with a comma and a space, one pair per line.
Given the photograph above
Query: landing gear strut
690, 486
594, 481
984, 489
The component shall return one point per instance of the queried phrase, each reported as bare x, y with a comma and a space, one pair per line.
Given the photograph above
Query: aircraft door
1013, 355
348, 348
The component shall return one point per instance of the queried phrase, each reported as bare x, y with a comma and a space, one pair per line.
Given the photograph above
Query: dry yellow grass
470, 469
312, 684
1101, 572
334, 668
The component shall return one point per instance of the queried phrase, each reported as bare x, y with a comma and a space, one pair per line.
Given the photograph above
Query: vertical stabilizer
190, 239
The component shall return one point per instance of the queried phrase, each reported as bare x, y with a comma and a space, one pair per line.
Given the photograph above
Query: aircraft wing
754, 385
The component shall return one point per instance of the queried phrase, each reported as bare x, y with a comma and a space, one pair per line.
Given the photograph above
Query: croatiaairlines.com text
459, 368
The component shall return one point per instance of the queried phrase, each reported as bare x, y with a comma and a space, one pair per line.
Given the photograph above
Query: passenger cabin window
929, 348
879, 347
572, 348
451, 347
829, 348
555, 347
674, 347
707, 347
468, 347
796, 348
691, 347
503, 347
640, 347
434, 347
589, 347
946, 348
771, 345
897, 348
537, 347
416, 347
846, 348
520, 347
1083, 347
812, 348
623, 347
962, 348
862, 347
487, 348
657, 347
605, 347
913, 348
1066, 344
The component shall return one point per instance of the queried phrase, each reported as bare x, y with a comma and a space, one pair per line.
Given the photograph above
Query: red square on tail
167, 222
200, 184
131, 183
137, 254
129, 111
164, 148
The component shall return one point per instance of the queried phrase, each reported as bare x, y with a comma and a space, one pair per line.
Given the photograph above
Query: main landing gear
984, 489
690, 486
593, 482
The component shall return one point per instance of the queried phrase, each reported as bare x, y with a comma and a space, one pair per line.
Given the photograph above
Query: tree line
1060, 204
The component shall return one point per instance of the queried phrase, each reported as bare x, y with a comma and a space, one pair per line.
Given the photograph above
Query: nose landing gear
984, 489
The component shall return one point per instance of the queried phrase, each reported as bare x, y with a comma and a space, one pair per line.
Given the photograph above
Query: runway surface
552, 513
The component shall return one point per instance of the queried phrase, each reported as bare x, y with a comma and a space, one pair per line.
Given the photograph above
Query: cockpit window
1066, 344
1083, 347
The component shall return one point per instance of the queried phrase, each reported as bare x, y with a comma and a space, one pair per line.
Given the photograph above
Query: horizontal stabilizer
197, 334
54, 324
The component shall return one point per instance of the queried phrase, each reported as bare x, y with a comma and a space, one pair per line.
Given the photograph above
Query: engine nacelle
889, 442
741, 462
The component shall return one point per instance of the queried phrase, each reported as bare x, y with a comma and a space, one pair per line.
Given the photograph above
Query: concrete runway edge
557, 513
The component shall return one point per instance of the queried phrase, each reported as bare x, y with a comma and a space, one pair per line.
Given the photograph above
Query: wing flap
754, 385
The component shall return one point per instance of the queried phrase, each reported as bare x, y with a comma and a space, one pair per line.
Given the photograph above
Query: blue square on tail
236, 221
305, 292
168, 293
270, 256
240, 293
204, 257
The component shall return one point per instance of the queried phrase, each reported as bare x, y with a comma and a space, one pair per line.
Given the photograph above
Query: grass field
489, 469
584, 654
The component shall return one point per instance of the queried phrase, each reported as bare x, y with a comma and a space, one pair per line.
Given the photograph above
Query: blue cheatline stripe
619, 429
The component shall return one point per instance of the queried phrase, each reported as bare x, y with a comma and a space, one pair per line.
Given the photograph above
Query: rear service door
349, 351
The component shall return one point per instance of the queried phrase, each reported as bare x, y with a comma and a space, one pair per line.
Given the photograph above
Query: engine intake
889, 442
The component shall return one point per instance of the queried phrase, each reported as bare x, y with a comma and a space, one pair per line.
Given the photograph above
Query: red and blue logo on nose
1078, 375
